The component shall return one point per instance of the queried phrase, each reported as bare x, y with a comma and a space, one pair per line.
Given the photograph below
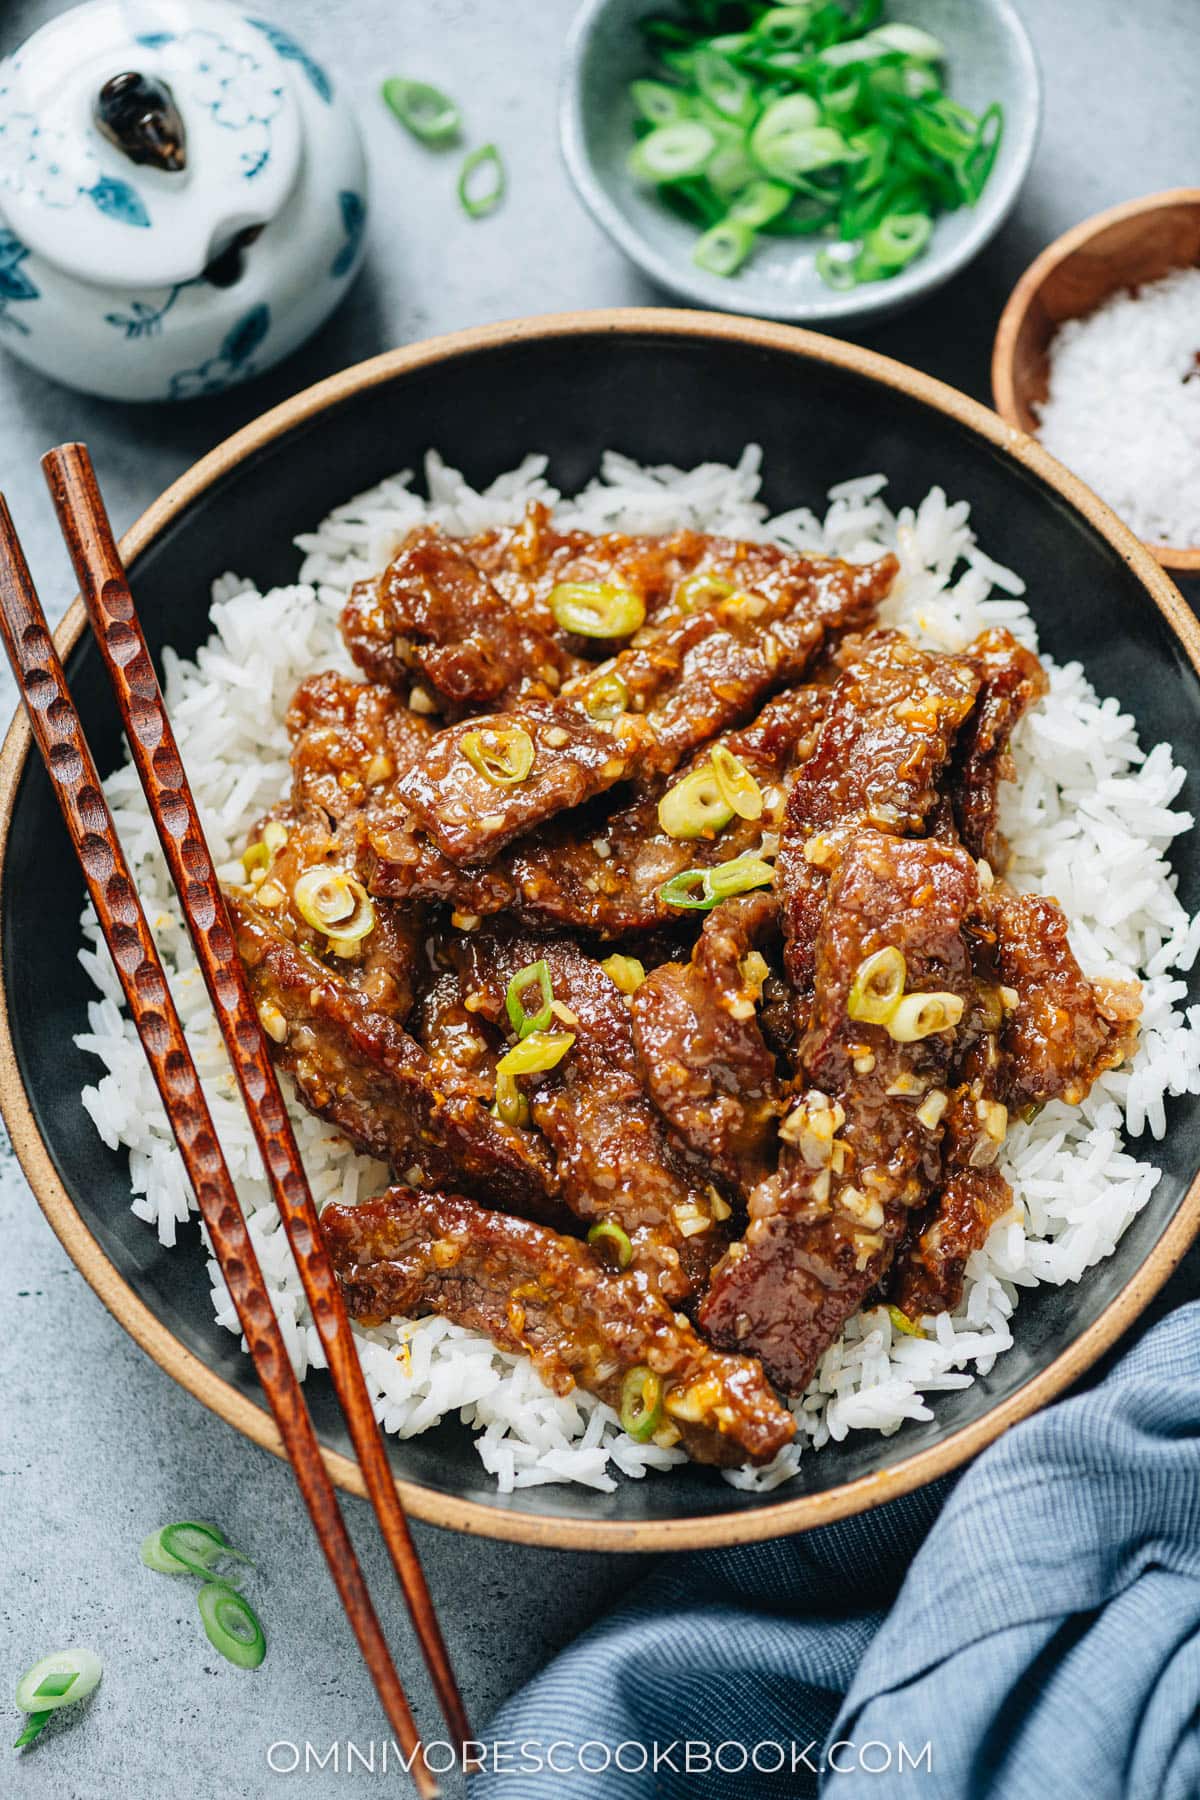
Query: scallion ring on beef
607, 1232
502, 754
534, 979
699, 890
698, 590
335, 902
641, 1403
877, 987
626, 971
696, 806
598, 609
738, 877
688, 891
533, 1055
736, 783
510, 1104
921, 1015
606, 698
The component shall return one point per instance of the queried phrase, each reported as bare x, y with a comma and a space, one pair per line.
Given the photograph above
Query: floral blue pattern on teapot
182, 197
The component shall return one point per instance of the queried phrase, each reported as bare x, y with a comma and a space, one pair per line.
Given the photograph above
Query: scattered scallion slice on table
799, 120
481, 182
188, 1548
428, 113
231, 1624
55, 1681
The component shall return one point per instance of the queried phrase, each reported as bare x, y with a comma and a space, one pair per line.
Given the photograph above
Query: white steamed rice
1090, 817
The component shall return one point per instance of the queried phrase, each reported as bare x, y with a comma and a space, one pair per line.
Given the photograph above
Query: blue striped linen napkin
1035, 1624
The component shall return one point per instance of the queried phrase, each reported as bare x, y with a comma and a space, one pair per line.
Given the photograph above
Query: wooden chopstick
60, 738
118, 632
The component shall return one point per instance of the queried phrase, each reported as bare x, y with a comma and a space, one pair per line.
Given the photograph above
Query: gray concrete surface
96, 1445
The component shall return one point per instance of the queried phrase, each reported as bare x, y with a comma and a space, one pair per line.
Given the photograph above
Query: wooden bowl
682, 387
1138, 241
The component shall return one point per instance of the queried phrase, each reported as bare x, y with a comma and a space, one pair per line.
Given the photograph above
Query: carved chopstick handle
58, 732
114, 620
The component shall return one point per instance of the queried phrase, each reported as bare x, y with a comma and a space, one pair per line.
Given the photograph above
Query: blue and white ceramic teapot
182, 197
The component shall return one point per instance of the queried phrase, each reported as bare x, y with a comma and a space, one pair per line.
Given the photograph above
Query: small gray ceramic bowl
989, 57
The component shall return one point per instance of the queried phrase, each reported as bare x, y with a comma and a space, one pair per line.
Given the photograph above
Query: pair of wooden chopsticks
59, 734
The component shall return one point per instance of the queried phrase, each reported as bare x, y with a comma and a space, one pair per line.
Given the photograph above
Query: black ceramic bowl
664, 387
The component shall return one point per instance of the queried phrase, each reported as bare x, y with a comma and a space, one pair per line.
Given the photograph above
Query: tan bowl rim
772, 1518
1183, 558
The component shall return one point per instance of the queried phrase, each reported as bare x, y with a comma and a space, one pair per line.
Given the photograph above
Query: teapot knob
138, 114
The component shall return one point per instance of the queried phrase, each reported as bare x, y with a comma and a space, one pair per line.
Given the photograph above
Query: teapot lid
139, 137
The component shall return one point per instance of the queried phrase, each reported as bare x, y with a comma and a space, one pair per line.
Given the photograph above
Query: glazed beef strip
703, 1058
1050, 1033
351, 741
434, 616
597, 869
685, 679
929, 1270
607, 879
1064, 1030
1010, 679
887, 733
824, 1227
358, 1068
409, 1253
613, 1157
384, 965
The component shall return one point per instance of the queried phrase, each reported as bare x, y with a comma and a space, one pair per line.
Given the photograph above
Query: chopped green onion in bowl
806, 120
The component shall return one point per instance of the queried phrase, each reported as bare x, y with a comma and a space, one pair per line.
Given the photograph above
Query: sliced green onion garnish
760, 202
785, 27
502, 754
688, 891
626, 971
922, 1015
607, 1233
641, 1403
738, 877
898, 238
726, 88
58, 1680
903, 1324
533, 1055
877, 986
697, 590
428, 113
35, 1724
481, 194
736, 783
231, 1624
535, 979
658, 103
597, 609
695, 807
188, 1548
724, 248
673, 152
510, 1105
910, 40
847, 113
606, 697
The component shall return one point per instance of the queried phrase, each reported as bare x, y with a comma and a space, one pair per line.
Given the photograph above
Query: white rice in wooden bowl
1090, 819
